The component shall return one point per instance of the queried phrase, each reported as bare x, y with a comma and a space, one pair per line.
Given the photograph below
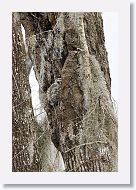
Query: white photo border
122, 7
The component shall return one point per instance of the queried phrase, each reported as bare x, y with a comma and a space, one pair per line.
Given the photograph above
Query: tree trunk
24, 153
71, 66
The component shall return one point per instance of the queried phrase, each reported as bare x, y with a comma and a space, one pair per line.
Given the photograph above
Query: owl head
58, 80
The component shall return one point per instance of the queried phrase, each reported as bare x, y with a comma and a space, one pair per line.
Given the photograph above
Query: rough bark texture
24, 153
71, 66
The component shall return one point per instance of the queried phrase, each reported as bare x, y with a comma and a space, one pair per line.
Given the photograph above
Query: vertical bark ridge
73, 48
24, 155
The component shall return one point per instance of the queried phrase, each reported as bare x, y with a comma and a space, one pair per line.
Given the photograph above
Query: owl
53, 93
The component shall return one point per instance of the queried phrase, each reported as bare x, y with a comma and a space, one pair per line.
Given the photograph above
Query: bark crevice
71, 67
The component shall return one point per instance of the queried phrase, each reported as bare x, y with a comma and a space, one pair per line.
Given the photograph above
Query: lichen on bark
25, 157
82, 123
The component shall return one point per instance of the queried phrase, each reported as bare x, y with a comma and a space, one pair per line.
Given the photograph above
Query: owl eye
59, 82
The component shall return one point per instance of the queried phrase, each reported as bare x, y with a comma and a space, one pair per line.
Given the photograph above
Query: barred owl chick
53, 93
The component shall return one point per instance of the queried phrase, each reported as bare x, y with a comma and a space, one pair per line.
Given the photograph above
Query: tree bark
83, 125
25, 157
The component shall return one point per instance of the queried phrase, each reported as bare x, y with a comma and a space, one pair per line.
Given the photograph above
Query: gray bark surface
71, 66
25, 157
